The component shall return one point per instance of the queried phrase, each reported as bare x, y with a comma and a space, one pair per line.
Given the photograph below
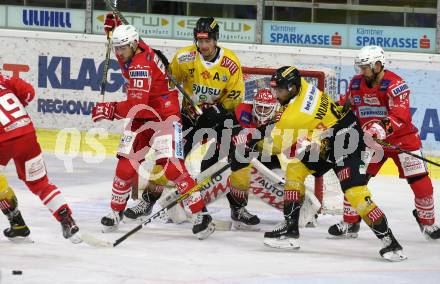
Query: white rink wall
66, 70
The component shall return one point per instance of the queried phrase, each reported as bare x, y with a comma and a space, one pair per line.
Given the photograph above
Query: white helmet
124, 35
369, 55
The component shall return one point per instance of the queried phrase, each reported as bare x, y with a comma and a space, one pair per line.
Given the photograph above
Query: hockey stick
106, 61
178, 86
91, 240
395, 147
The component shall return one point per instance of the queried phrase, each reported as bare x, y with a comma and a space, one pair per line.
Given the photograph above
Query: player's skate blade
394, 256
240, 226
282, 242
392, 250
285, 235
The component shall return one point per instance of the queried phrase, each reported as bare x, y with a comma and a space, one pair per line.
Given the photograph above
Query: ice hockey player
155, 122
18, 142
249, 116
316, 132
212, 75
380, 99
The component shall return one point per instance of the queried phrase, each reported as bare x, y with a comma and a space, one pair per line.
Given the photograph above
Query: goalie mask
264, 107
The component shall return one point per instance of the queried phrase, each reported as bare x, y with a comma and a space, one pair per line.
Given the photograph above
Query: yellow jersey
308, 114
209, 82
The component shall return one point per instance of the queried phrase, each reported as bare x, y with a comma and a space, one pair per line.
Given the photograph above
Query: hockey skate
344, 230
392, 250
18, 231
285, 235
142, 209
202, 225
111, 221
68, 227
243, 220
430, 232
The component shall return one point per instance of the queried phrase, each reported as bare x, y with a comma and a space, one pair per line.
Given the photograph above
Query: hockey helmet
125, 35
369, 55
285, 78
206, 28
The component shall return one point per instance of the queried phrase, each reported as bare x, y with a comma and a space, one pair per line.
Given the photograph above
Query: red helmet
264, 106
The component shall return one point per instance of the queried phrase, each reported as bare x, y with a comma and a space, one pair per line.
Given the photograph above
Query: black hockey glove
213, 116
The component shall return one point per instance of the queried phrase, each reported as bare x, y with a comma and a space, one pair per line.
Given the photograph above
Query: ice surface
168, 253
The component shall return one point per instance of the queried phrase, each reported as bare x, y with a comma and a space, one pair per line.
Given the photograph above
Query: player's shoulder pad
355, 82
186, 54
396, 86
230, 61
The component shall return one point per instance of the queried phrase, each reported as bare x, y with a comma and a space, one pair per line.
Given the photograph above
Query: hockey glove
379, 130
212, 116
103, 111
111, 21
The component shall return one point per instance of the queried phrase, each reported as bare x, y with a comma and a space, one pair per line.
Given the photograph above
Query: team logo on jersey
367, 111
205, 92
206, 75
371, 99
230, 64
357, 100
310, 100
139, 74
187, 57
399, 90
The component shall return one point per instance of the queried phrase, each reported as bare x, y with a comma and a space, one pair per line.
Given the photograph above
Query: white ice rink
167, 253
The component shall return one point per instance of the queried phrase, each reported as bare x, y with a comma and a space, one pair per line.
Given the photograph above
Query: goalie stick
91, 240
197, 109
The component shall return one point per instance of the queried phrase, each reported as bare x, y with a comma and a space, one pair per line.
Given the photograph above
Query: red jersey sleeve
399, 112
22, 89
